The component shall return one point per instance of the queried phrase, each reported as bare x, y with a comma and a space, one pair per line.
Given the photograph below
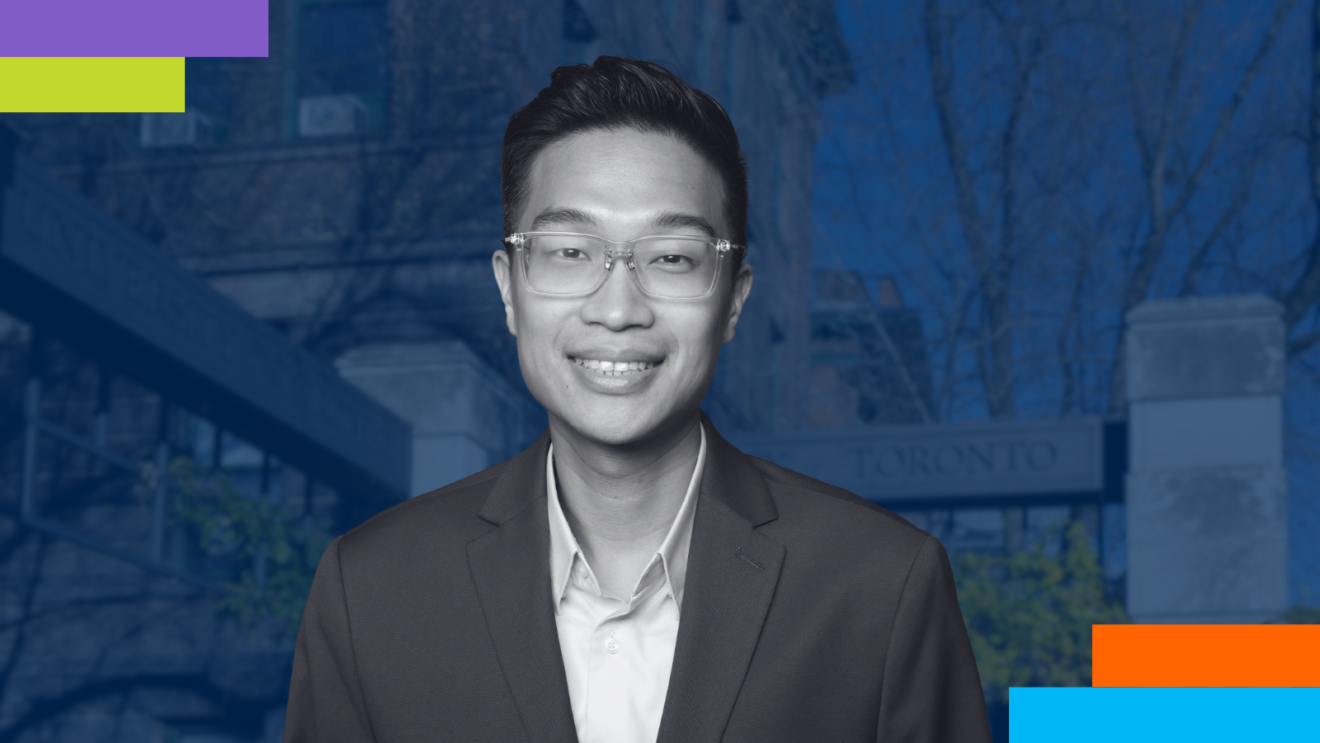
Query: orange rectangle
1205, 655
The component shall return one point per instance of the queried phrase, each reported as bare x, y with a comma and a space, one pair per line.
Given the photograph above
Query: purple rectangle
134, 28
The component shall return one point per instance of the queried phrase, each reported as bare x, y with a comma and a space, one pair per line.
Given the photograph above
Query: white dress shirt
618, 653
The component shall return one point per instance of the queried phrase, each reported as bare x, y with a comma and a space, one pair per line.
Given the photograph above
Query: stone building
346, 188
345, 192
170, 468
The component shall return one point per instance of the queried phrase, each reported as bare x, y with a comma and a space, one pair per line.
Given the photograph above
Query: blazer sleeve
325, 697
931, 691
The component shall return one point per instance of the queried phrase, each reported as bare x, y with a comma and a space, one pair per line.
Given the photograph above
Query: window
210, 91
343, 67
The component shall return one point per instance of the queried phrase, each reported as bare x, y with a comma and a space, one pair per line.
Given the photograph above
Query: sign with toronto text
913, 462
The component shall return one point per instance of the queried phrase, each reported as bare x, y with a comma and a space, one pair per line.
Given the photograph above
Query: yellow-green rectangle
91, 84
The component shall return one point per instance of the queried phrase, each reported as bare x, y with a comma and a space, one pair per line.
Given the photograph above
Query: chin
615, 428
618, 425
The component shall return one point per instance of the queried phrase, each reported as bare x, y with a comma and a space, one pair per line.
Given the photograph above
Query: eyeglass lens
666, 266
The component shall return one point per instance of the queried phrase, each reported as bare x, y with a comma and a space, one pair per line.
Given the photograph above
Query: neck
621, 501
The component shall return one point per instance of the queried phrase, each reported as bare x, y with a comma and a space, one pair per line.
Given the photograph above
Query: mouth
615, 368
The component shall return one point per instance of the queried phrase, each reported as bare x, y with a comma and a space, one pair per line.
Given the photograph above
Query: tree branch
20, 632
1307, 289
997, 375
1148, 258
1198, 258
1161, 217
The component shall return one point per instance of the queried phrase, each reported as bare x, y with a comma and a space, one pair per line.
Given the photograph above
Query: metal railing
35, 428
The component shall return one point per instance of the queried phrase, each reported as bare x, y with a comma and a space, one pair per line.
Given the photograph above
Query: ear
742, 286
504, 277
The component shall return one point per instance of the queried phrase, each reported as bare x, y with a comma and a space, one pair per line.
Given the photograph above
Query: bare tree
381, 235
1030, 171
1175, 169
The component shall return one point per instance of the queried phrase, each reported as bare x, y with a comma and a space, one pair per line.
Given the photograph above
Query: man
631, 576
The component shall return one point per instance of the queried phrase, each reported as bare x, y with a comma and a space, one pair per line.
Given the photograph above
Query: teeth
614, 368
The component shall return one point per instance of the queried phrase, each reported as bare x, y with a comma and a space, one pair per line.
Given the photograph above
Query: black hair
614, 93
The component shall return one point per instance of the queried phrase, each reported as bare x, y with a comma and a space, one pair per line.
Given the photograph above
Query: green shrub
217, 513
1029, 614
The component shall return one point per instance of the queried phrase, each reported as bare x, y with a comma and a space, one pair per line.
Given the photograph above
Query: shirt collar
673, 552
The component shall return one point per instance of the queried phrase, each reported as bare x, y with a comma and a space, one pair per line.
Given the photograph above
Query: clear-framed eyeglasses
572, 264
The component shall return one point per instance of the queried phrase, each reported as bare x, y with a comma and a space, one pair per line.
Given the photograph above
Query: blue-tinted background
955, 207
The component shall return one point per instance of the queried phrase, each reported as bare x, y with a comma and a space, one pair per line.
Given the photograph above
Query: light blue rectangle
1163, 715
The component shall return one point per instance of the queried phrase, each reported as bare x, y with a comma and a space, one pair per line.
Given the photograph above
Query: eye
673, 260
570, 253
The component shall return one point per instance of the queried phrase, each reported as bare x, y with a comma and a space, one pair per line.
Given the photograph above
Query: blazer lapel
510, 566
731, 576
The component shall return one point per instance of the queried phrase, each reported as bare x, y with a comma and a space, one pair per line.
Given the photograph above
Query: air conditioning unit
331, 115
175, 129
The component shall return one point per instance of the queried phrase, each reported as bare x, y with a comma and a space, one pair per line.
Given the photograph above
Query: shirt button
612, 645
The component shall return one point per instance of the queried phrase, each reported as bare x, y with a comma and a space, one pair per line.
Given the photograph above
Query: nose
619, 303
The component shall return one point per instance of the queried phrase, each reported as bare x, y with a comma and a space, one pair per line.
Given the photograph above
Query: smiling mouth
615, 368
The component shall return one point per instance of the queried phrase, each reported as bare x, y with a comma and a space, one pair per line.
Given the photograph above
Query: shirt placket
614, 665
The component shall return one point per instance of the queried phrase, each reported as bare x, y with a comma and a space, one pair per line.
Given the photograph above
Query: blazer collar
731, 478
510, 568
732, 573
520, 483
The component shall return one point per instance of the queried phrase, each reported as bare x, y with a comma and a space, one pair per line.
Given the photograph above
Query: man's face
621, 185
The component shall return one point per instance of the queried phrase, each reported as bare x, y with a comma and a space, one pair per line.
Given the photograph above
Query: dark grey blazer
809, 614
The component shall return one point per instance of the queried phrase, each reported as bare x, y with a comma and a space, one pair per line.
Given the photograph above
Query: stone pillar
465, 416
1206, 490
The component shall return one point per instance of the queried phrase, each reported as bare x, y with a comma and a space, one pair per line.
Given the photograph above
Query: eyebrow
562, 216
670, 220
